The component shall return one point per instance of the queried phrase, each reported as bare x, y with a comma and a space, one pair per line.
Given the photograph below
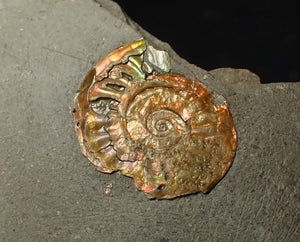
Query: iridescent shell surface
164, 130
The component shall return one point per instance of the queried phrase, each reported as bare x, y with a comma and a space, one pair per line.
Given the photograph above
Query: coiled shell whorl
164, 130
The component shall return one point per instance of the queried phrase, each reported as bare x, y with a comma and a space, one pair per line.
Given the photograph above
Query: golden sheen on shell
168, 132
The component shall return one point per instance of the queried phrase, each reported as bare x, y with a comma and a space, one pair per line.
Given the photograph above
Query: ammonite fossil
168, 132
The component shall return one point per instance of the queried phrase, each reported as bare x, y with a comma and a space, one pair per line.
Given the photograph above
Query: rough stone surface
50, 192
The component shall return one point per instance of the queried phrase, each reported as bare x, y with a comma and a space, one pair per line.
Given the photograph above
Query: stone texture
49, 191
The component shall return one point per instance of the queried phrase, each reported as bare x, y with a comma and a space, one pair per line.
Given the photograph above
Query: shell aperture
163, 129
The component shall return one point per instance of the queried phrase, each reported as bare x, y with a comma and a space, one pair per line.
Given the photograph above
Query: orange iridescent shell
166, 131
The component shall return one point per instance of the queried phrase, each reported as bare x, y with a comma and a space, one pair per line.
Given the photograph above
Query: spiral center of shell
162, 123
162, 126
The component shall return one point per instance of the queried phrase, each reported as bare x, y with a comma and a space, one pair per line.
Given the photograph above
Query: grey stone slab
50, 192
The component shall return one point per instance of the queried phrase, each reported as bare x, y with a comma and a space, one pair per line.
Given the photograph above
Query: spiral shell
162, 129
